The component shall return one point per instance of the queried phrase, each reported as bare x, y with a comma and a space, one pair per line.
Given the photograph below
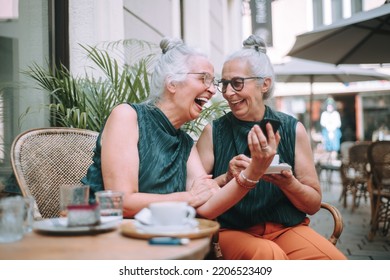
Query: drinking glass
110, 203
73, 194
11, 219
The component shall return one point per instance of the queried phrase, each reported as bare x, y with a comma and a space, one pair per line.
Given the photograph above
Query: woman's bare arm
120, 162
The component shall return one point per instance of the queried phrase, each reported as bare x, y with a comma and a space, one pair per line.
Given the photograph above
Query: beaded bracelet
241, 184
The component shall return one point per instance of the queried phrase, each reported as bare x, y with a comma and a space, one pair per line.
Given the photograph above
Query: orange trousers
270, 241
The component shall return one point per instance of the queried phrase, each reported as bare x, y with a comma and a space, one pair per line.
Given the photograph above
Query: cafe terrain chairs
354, 174
344, 167
379, 187
45, 158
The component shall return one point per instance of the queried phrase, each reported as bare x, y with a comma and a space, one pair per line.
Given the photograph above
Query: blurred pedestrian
331, 132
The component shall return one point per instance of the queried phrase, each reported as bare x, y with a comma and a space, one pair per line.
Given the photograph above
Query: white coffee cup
171, 213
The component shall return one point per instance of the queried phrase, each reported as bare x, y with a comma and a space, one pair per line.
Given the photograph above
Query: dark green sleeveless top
266, 202
163, 153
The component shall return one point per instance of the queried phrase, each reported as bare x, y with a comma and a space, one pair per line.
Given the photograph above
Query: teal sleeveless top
266, 202
163, 154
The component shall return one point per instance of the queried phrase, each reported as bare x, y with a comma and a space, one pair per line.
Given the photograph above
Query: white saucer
276, 169
205, 228
60, 225
157, 229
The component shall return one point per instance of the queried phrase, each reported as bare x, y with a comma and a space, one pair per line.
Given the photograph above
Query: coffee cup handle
191, 213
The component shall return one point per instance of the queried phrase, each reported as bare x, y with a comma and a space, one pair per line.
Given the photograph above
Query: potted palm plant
85, 102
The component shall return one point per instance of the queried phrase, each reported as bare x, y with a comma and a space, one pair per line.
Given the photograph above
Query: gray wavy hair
172, 66
254, 51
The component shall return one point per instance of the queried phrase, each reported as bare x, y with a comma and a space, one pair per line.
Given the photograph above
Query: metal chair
45, 158
379, 187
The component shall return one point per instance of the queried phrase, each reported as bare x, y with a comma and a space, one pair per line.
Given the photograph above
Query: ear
266, 85
171, 85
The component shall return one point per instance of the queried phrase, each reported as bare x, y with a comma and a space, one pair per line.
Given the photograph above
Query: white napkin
144, 216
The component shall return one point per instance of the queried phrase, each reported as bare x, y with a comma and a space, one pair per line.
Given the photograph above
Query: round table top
112, 245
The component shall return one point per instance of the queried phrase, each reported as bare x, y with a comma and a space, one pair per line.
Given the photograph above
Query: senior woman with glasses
141, 150
268, 219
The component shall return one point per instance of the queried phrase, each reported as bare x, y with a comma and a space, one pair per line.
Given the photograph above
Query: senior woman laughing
141, 150
270, 219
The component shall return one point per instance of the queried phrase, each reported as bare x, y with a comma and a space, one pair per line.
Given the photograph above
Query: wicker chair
379, 187
337, 222
344, 168
337, 229
43, 159
354, 174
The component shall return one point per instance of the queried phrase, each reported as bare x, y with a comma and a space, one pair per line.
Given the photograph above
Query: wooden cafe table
111, 245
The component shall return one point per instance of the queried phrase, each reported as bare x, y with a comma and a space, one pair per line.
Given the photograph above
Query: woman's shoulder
283, 117
124, 110
124, 107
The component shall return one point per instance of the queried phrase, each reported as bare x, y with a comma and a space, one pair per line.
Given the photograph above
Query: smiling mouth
201, 101
236, 102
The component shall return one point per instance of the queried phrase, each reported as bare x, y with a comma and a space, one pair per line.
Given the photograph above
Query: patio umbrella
363, 38
307, 71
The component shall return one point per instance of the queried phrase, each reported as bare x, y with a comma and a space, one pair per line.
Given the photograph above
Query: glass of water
11, 219
110, 204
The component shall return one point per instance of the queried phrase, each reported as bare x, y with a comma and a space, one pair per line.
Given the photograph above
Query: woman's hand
202, 189
285, 178
262, 151
236, 165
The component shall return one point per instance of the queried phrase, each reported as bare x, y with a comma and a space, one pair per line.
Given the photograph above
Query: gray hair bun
255, 42
167, 44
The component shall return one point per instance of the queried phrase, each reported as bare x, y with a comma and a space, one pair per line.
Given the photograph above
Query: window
318, 13
356, 6
22, 42
337, 10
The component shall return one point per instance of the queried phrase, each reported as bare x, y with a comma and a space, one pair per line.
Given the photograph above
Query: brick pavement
353, 241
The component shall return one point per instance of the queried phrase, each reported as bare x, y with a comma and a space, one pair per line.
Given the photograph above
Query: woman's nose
212, 88
229, 90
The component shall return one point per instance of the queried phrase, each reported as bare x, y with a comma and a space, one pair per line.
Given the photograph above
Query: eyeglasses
208, 80
237, 83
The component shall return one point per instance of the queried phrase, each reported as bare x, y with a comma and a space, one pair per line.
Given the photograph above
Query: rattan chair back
358, 159
344, 151
43, 159
379, 186
354, 174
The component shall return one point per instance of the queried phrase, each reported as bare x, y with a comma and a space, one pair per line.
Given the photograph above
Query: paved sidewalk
353, 241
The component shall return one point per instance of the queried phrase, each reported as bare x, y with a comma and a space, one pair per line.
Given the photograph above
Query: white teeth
235, 102
202, 99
